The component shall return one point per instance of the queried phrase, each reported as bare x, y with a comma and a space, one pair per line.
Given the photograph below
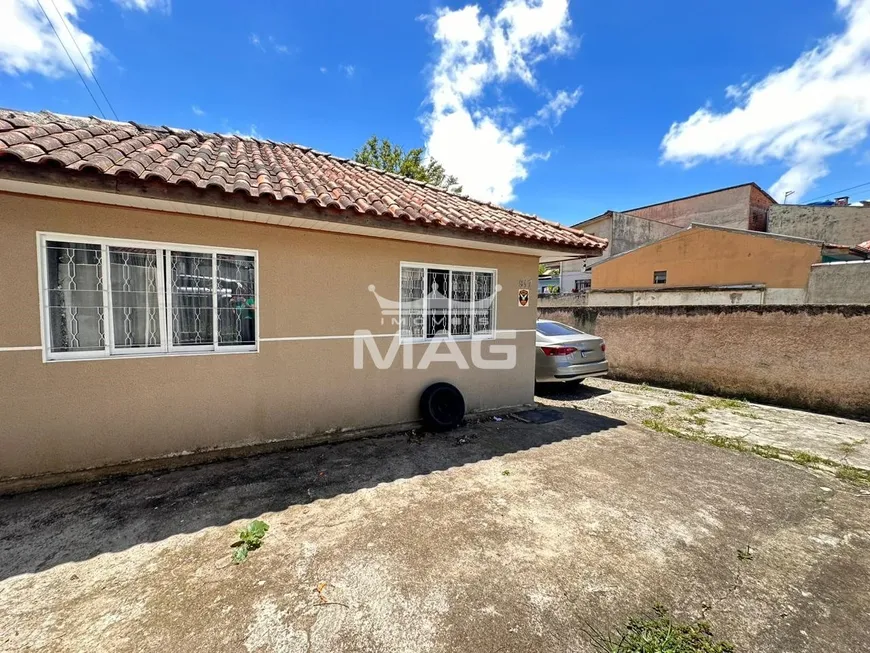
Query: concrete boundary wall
811, 357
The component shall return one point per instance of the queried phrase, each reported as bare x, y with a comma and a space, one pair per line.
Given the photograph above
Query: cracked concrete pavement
501, 536
844, 441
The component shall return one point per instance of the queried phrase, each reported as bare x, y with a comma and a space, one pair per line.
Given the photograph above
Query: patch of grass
673, 402
660, 427
744, 554
700, 421
697, 409
853, 475
250, 539
659, 633
725, 404
805, 458
657, 410
687, 395
848, 448
506, 472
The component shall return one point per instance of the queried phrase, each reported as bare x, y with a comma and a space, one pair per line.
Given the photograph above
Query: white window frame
491, 335
164, 251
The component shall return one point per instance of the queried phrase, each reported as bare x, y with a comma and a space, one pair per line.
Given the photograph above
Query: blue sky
563, 110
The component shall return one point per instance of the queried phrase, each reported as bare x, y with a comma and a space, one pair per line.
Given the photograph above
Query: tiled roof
263, 168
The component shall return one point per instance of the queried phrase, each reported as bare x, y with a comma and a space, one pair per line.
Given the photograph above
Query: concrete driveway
502, 536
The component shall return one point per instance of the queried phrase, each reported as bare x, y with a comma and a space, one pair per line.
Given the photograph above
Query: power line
842, 190
84, 59
87, 88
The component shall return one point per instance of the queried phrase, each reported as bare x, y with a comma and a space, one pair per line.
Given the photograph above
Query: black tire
572, 385
442, 407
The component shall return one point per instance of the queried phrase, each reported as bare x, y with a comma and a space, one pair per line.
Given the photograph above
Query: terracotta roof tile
261, 168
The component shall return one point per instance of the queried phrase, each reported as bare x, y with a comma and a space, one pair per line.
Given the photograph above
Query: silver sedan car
566, 354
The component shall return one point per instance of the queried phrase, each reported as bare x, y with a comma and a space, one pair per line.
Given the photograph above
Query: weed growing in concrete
687, 395
848, 448
657, 410
804, 458
673, 402
853, 475
658, 633
724, 404
744, 554
661, 427
250, 539
506, 472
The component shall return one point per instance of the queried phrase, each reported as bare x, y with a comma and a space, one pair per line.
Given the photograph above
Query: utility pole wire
90, 70
842, 190
87, 88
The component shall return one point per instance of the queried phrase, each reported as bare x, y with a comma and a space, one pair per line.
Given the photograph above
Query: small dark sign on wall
523, 297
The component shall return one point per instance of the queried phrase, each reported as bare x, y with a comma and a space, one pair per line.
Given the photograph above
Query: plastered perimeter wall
802, 356
70, 415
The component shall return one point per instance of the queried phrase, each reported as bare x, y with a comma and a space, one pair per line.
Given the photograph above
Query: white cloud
323, 69
144, 5
801, 115
478, 144
347, 69
255, 41
29, 45
197, 111
553, 111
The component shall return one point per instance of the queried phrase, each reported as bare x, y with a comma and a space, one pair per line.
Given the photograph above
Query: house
740, 207
708, 264
623, 232
159, 296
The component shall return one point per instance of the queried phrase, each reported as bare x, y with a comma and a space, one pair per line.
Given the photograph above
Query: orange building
704, 259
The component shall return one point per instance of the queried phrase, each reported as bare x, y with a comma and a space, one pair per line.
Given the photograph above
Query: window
660, 276
440, 301
556, 329
582, 284
105, 297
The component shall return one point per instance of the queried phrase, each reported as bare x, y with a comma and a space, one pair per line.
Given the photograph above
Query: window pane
484, 297
460, 308
135, 298
236, 300
438, 302
75, 296
412, 318
557, 329
190, 283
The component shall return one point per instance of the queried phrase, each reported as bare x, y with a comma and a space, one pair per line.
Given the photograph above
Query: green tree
381, 153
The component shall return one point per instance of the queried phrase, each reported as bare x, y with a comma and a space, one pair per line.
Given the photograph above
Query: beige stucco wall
839, 225
69, 415
705, 257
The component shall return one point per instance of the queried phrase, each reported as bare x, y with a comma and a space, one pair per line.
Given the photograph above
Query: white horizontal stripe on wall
499, 333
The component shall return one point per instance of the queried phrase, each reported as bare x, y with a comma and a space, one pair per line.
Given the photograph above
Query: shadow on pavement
49, 527
567, 392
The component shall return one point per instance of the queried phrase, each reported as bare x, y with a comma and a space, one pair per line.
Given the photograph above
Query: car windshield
556, 329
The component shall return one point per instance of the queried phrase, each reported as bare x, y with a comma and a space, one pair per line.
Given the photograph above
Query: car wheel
442, 407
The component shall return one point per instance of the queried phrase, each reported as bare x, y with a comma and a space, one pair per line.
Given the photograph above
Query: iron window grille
660, 276
111, 298
437, 301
